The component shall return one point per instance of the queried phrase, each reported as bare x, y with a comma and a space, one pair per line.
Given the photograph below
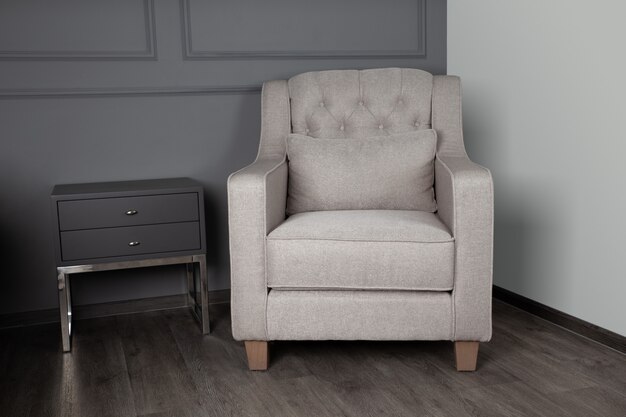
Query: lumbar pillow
381, 173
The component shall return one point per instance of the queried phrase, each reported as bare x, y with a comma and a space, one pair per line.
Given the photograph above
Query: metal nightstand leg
191, 286
204, 293
65, 308
199, 310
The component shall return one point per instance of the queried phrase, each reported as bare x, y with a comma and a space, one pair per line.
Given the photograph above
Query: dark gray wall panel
323, 28
171, 73
76, 29
92, 119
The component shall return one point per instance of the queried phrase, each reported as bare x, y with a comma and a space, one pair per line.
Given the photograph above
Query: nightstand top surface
124, 186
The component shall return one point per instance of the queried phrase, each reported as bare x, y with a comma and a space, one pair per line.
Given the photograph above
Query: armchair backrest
362, 103
353, 104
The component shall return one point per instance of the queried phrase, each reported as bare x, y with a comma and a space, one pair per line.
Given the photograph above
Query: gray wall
544, 90
95, 90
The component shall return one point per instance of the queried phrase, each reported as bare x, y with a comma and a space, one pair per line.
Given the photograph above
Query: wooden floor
158, 364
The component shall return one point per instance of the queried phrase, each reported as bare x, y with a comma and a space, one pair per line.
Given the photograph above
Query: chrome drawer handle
135, 243
131, 212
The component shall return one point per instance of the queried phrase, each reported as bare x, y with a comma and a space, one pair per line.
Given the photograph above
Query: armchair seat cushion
361, 249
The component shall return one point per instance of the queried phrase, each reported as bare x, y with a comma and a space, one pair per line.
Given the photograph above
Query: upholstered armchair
359, 273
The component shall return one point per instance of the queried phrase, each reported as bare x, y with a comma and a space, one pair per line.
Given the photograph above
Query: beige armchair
361, 274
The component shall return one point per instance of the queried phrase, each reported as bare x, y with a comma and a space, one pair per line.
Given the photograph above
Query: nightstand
129, 224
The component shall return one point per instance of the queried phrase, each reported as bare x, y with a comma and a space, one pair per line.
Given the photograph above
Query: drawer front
129, 241
127, 211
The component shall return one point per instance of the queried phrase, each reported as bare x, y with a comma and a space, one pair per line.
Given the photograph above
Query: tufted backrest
351, 103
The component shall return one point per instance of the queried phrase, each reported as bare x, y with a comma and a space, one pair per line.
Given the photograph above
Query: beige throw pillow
381, 173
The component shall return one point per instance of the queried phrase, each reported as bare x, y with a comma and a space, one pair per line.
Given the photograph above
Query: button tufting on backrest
350, 103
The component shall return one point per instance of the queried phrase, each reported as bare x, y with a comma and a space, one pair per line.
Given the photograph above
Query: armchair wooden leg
466, 354
258, 355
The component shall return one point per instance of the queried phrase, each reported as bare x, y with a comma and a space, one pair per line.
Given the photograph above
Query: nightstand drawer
129, 241
127, 211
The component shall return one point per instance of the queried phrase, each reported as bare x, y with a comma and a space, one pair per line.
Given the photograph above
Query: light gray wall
544, 89
95, 90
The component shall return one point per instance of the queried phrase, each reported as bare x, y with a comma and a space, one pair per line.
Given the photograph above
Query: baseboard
90, 311
576, 325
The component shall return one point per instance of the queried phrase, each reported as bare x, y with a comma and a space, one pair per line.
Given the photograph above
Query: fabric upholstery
391, 172
364, 249
367, 103
275, 119
447, 117
465, 195
353, 104
359, 315
256, 204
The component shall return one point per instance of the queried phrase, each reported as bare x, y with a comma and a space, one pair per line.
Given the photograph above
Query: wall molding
90, 311
189, 53
571, 323
149, 53
38, 93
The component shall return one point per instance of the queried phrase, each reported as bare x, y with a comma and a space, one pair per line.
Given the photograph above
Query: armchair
310, 277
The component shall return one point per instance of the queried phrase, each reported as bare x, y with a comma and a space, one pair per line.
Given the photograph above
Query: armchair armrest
256, 204
464, 193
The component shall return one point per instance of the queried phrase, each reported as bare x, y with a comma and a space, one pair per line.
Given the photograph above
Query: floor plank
158, 375
508, 400
158, 364
33, 372
591, 402
96, 371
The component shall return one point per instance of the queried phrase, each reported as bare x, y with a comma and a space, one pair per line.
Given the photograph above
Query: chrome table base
193, 262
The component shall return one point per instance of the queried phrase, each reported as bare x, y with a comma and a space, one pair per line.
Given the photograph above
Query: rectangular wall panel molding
127, 91
77, 30
251, 29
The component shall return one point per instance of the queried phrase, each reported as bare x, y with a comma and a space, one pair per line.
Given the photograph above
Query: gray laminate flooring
158, 364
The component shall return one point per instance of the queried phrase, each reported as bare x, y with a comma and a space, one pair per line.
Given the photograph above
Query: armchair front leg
466, 355
258, 355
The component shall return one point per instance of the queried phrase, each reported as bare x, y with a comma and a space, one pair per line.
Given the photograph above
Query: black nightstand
130, 224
